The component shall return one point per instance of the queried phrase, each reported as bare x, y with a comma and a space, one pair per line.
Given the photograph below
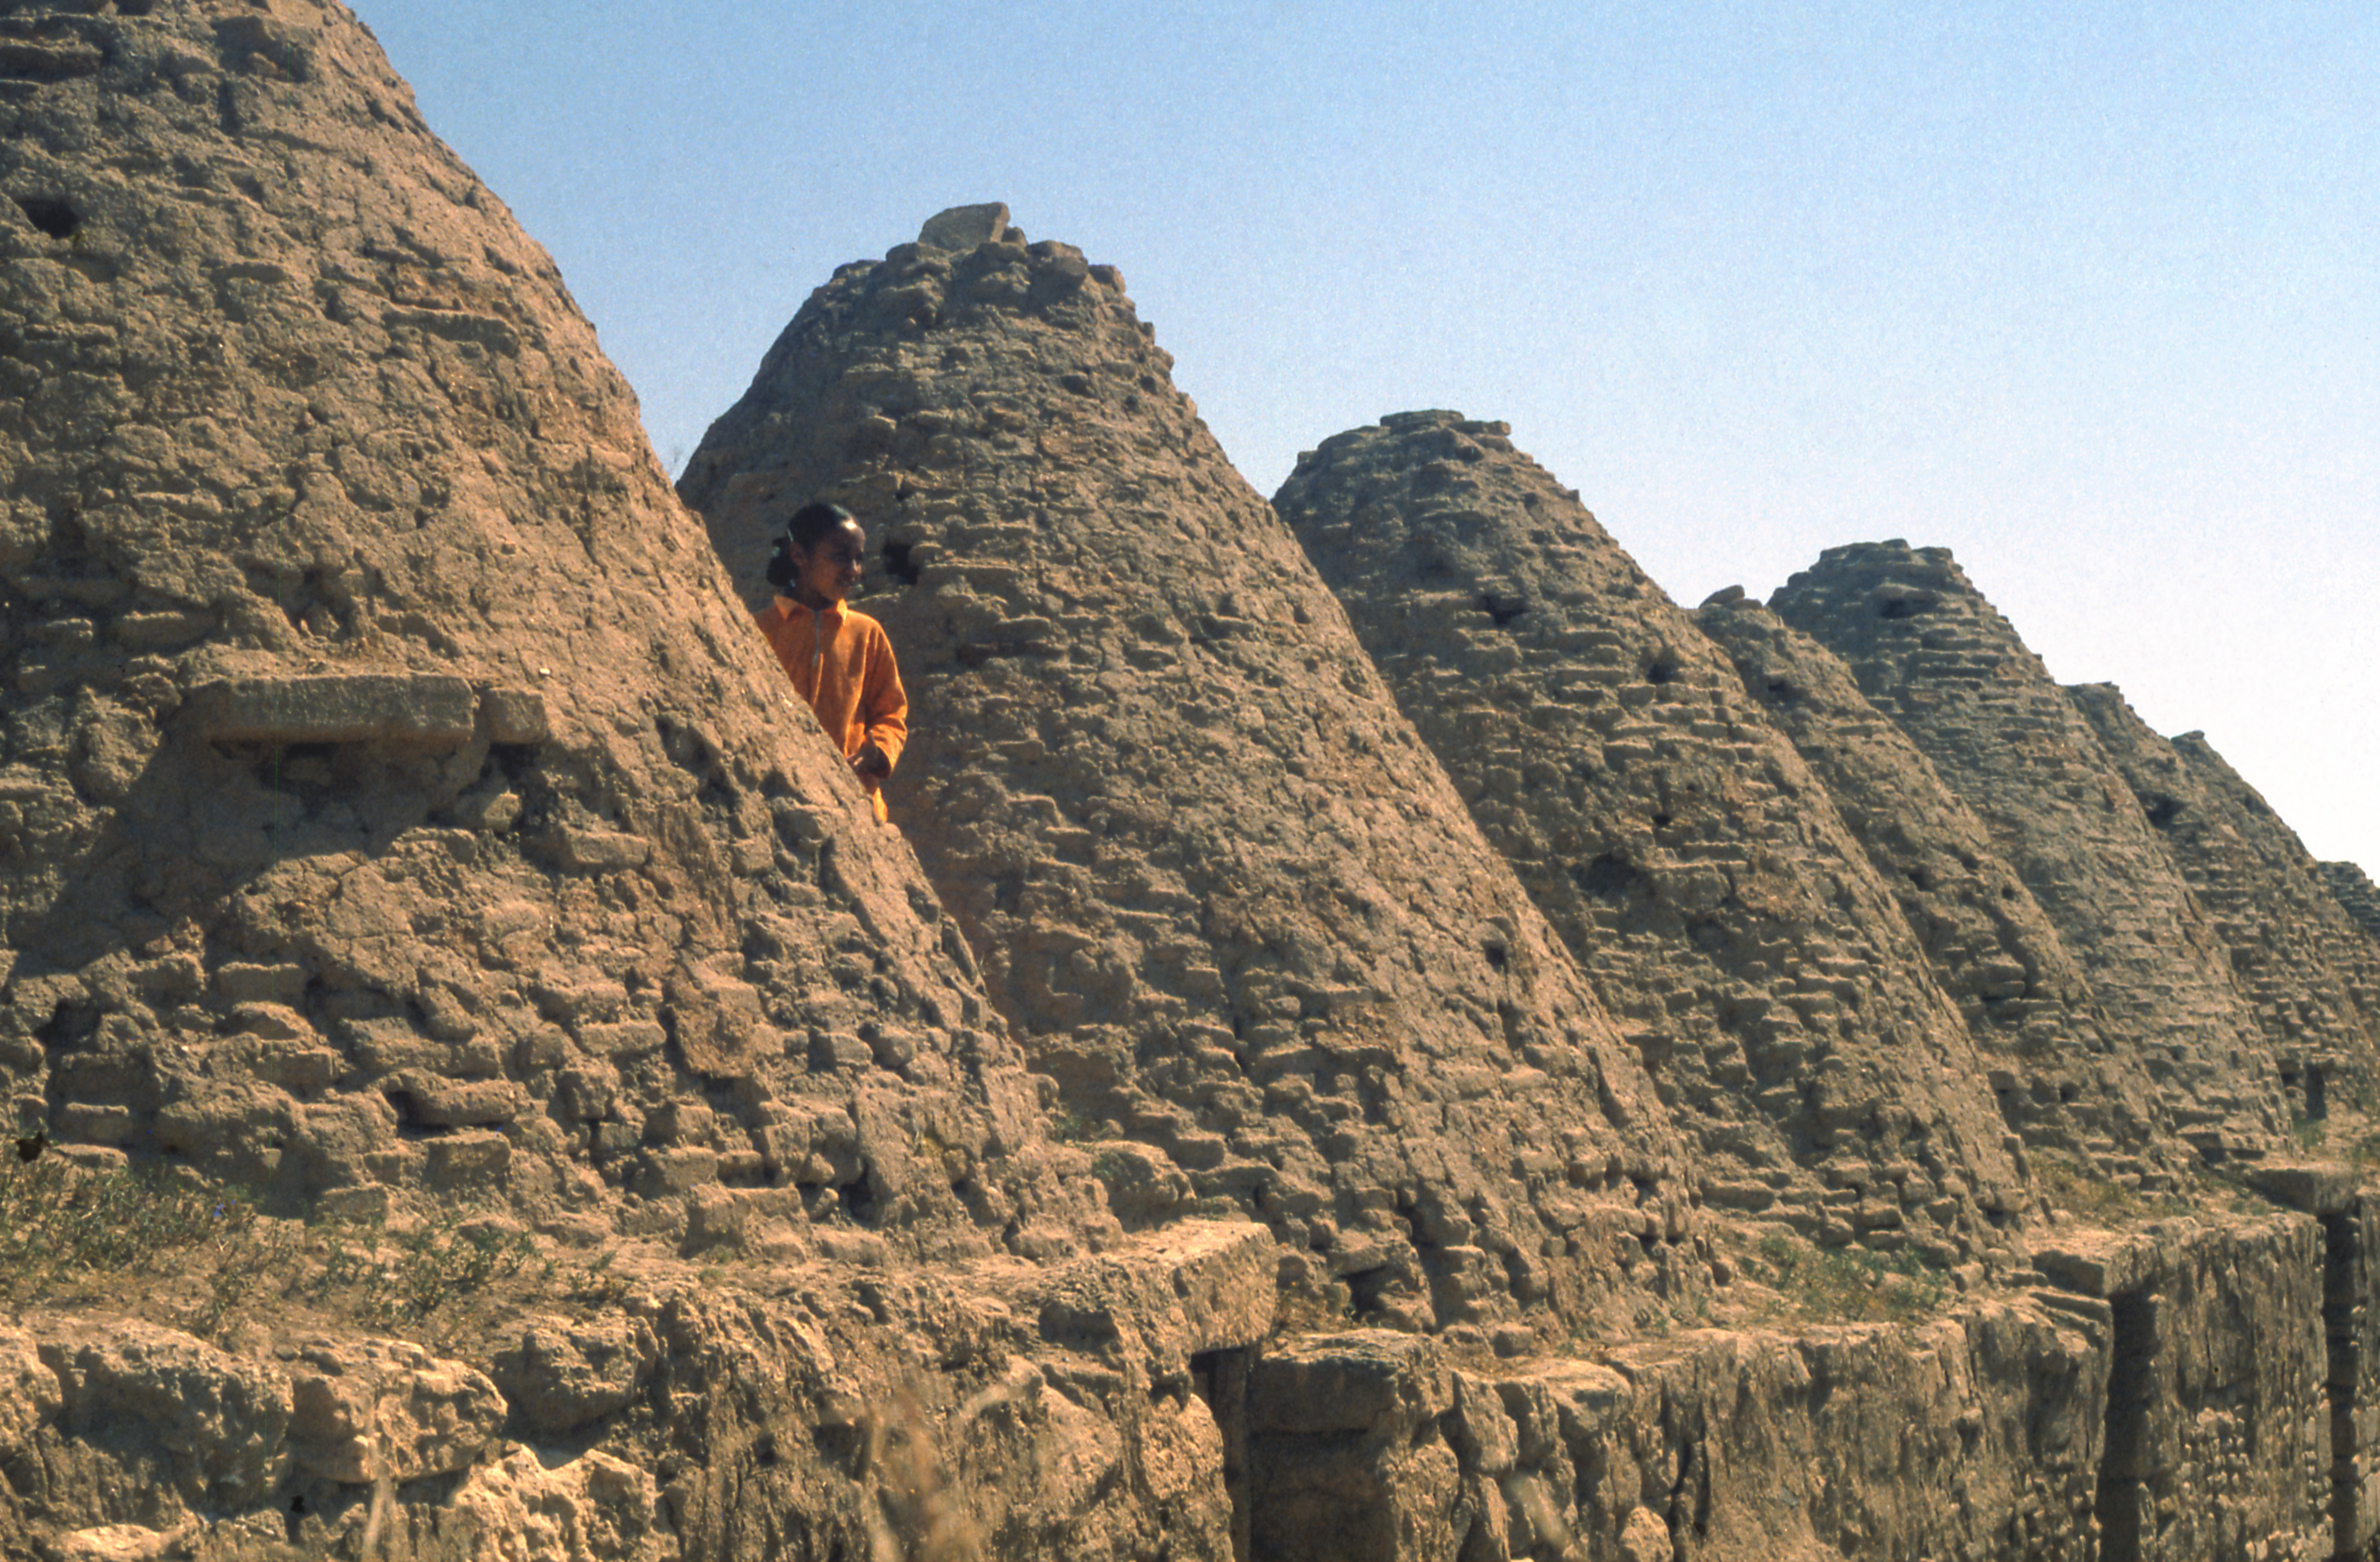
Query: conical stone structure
395, 805
2060, 1080
2354, 889
399, 817
1226, 896
1693, 864
1930, 652
2312, 976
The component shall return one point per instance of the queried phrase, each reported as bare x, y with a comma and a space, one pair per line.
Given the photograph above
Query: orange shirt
842, 663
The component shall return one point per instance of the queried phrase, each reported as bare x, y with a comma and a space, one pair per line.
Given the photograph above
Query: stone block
1144, 1187
437, 1102
965, 227
206, 1424
419, 710
669, 1173
599, 851
514, 716
242, 983
2314, 1187
566, 1373
1375, 1381
468, 1162
365, 1411
628, 1038
86, 1122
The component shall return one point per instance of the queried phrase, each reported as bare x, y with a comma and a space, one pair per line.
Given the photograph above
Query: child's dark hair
811, 525
813, 521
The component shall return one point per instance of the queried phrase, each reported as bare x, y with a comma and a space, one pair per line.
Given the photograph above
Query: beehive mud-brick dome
2309, 972
1691, 861
395, 804
2354, 888
2058, 1081
1930, 652
1226, 896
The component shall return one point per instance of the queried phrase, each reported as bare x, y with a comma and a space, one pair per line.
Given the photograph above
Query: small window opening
1502, 607
53, 217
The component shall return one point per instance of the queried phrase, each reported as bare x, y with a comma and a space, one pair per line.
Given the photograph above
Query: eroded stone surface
1229, 901
2060, 1082
2309, 972
1930, 652
2218, 1439
395, 811
2354, 891
1978, 1434
397, 807
1689, 858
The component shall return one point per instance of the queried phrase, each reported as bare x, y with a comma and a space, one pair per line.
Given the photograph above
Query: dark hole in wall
839, 1443
1496, 955
1220, 1379
1607, 877
53, 217
1784, 692
2317, 1096
2121, 1493
1502, 607
1367, 1287
1662, 671
2162, 810
858, 1200
897, 562
1897, 607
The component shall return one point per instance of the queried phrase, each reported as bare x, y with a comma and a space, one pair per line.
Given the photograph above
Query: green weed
64, 1228
406, 1279
59, 1223
1852, 1284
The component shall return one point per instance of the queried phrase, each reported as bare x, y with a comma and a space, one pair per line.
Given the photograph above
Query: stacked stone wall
1228, 900
403, 830
401, 826
397, 808
1930, 652
2059, 1079
2162, 1398
1977, 1434
2218, 1442
2312, 976
1690, 859
2354, 888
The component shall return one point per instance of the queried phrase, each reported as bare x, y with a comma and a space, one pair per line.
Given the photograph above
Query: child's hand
872, 764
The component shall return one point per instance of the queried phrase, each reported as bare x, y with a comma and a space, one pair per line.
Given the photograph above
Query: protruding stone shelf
409, 710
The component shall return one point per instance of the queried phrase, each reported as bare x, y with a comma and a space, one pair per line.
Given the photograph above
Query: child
839, 660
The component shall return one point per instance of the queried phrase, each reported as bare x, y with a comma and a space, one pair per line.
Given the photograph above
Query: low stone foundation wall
2193, 1390
2188, 1392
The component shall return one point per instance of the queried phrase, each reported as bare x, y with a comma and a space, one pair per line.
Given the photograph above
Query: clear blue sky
2084, 292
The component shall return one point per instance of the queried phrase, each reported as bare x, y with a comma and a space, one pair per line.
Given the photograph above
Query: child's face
831, 568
